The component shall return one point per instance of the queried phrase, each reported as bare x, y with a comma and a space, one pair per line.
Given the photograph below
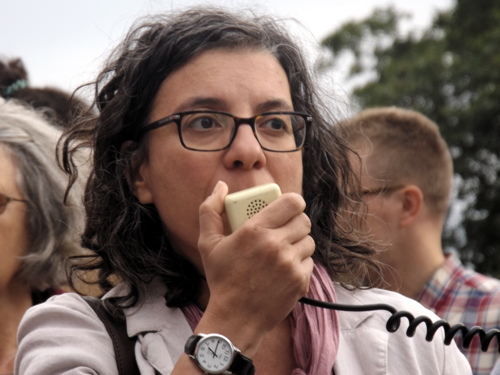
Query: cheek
287, 172
379, 222
184, 174
376, 226
173, 166
8, 268
12, 245
179, 185
372, 217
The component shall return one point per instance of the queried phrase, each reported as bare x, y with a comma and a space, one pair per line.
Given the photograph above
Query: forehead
222, 78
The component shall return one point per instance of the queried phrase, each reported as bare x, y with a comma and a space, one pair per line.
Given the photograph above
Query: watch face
214, 354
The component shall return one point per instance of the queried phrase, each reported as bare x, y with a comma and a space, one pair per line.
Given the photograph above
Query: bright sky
63, 42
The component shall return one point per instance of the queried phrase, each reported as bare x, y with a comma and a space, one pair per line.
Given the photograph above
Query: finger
308, 267
297, 228
299, 252
280, 211
211, 210
305, 248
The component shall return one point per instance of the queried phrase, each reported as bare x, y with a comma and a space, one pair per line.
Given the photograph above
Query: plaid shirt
460, 295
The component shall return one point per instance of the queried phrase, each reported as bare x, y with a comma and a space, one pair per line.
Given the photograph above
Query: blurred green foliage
451, 73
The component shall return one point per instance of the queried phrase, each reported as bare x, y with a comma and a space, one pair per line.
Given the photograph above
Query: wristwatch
215, 354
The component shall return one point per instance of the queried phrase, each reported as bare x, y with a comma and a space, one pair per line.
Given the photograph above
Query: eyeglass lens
213, 131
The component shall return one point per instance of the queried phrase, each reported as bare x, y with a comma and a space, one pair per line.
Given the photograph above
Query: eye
277, 123
201, 122
205, 122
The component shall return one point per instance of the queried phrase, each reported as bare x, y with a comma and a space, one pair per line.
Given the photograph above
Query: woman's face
13, 231
244, 83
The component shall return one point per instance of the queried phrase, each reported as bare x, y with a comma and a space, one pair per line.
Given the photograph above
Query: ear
141, 183
413, 200
138, 179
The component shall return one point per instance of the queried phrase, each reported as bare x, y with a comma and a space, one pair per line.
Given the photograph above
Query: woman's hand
256, 274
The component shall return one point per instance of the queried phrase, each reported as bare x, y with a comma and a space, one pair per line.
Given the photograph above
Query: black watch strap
191, 344
241, 365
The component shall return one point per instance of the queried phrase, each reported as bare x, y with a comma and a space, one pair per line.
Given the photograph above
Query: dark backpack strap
117, 330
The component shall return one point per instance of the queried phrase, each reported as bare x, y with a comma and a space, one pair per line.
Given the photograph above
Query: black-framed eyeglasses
5, 200
381, 190
215, 131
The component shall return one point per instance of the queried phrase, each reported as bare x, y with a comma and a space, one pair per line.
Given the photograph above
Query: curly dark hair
127, 237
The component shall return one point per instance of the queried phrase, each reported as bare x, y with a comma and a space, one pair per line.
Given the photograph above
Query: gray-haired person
37, 230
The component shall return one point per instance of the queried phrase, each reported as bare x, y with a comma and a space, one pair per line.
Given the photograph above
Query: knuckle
306, 221
294, 202
312, 244
204, 208
252, 231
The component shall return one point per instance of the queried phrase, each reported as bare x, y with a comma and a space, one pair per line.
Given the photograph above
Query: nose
245, 151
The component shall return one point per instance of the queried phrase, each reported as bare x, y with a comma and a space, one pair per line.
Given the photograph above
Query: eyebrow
273, 105
201, 101
216, 103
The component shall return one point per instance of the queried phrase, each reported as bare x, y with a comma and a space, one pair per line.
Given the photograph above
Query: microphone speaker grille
255, 206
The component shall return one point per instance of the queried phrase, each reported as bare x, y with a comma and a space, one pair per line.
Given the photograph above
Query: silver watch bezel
208, 336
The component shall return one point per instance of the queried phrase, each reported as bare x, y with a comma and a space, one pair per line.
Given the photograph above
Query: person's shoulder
70, 301
377, 296
377, 306
47, 343
67, 308
467, 280
405, 351
482, 284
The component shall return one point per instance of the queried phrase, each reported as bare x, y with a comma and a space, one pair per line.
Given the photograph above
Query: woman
192, 106
37, 230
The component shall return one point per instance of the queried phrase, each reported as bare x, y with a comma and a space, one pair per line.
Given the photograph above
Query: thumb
211, 223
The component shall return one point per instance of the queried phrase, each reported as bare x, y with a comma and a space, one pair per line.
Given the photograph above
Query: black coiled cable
394, 322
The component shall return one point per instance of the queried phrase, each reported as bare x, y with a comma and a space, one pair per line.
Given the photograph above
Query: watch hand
216, 346
213, 352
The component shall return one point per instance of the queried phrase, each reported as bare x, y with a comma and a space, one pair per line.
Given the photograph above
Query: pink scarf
315, 331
